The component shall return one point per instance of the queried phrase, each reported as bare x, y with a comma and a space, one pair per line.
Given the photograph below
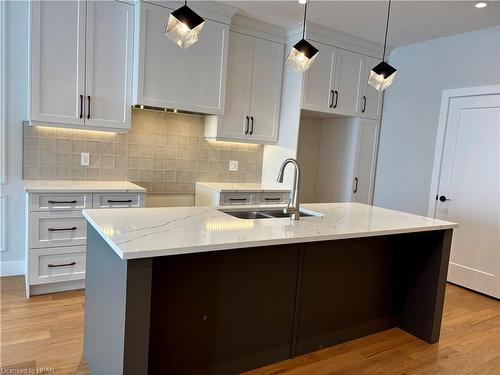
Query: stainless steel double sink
263, 213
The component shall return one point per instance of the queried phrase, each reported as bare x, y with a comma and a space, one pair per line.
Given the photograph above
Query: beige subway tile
76, 160
78, 173
93, 174
146, 163
172, 128
182, 141
133, 174
182, 177
108, 137
181, 165
134, 162
47, 173
134, 138
182, 153
120, 174
196, 128
147, 138
63, 145
157, 187
79, 135
192, 165
202, 176
63, 173
107, 174
170, 187
158, 175
94, 136
47, 144
171, 153
160, 139
121, 162
203, 166
213, 154
79, 146
170, 176
170, 164
94, 147
134, 150
31, 158
224, 155
160, 127
47, 158
121, 149
46, 132
107, 161
241, 177
31, 173
191, 177
159, 152
94, 160
183, 128
147, 151
30, 144
30, 131
203, 154
64, 133
64, 159
107, 148
146, 175
158, 163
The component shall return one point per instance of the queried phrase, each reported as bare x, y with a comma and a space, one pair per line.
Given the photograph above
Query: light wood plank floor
46, 331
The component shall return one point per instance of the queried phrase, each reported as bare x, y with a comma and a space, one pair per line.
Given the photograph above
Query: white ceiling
410, 22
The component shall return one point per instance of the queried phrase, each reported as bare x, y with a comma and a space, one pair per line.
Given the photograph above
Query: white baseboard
12, 268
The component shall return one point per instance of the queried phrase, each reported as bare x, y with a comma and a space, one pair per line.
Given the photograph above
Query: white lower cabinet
56, 236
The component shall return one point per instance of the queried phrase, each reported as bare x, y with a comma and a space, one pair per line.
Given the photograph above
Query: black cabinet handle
332, 96
61, 265
62, 202
120, 201
81, 106
272, 199
88, 114
355, 185
251, 128
247, 123
238, 199
364, 104
60, 229
336, 99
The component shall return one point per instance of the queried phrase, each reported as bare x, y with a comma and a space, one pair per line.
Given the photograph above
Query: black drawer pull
118, 201
272, 199
238, 199
60, 229
62, 202
61, 265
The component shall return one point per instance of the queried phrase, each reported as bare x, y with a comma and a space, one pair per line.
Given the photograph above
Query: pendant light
382, 75
184, 26
303, 53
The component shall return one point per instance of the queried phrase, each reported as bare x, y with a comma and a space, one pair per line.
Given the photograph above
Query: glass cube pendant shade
184, 27
382, 76
302, 56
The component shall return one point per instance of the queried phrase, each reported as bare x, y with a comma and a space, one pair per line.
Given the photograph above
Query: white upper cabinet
371, 99
316, 94
167, 76
346, 86
253, 92
108, 90
80, 67
57, 74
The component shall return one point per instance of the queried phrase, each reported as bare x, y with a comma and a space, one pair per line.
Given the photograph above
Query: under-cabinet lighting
481, 5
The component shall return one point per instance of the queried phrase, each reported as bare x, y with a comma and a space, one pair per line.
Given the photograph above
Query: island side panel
423, 260
222, 312
117, 294
348, 290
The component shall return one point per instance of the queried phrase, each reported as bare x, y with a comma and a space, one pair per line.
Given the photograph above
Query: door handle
364, 104
251, 127
61, 265
247, 122
81, 106
355, 185
332, 96
88, 114
442, 198
336, 99
60, 229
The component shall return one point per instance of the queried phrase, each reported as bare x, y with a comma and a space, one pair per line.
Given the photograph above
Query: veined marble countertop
230, 187
65, 186
150, 232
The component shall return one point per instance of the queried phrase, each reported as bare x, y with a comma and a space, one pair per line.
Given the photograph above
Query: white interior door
267, 73
470, 183
109, 44
366, 156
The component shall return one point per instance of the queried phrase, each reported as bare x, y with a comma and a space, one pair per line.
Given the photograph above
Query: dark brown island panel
224, 312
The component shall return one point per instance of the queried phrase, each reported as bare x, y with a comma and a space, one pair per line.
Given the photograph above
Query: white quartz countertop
64, 186
230, 187
150, 232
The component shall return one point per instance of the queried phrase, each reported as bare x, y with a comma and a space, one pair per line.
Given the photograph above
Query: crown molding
258, 29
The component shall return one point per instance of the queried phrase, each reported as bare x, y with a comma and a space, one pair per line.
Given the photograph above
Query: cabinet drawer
118, 200
235, 198
58, 201
273, 198
57, 264
64, 228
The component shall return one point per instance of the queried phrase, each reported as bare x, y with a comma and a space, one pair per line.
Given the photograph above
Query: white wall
15, 84
308, 157
411, 110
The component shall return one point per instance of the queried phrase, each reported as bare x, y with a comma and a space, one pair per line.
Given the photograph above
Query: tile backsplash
163, 152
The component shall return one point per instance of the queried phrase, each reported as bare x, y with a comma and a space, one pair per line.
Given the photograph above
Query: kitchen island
196, 290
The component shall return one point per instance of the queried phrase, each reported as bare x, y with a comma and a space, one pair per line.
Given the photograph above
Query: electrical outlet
233, 165
85, 158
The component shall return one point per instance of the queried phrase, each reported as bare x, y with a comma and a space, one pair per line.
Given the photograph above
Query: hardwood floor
46, 331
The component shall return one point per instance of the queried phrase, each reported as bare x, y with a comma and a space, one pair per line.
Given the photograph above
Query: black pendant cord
386, 28
185, 2
304, 26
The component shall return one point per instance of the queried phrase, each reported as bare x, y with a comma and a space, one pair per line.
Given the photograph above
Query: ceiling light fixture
184, 26
481, 5
303, 53
382, 75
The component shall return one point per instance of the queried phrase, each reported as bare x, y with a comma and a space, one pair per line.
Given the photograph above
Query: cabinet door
316, 95
267, 74
57, 66
347, 77
110, 26
371, 99
170, 77
234, 123
366, 157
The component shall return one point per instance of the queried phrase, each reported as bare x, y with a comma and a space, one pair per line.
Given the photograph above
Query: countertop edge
115, 248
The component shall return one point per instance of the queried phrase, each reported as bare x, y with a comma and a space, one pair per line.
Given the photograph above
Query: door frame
446, 97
